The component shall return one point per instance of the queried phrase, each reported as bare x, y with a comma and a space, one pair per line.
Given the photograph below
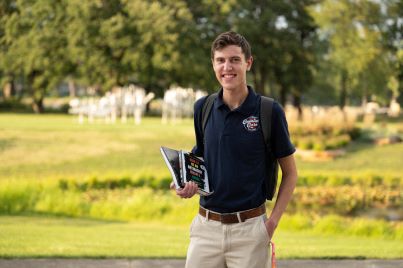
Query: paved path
175, 263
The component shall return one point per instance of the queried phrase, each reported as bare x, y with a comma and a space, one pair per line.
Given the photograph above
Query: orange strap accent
273, 255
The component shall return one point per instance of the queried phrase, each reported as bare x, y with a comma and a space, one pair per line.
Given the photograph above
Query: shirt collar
247, 107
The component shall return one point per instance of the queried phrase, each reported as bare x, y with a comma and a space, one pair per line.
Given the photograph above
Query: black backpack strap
266, 110
206, 109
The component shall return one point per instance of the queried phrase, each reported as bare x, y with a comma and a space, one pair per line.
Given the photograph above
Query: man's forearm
285, 192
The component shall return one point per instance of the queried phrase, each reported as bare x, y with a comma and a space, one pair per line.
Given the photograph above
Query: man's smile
228, 75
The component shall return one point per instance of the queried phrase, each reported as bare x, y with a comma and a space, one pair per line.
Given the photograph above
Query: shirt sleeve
198, 149
280, 137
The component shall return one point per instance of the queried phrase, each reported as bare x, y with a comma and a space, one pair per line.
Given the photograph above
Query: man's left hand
271, 226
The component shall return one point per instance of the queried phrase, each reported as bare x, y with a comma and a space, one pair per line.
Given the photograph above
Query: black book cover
172, 161
185, 167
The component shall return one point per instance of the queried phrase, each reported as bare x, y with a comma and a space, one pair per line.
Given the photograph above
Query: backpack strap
266, 110
206, 109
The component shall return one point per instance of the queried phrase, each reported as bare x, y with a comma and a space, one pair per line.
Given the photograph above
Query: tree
7, 76
117, 42
282, 34
99, 40
209, 18
36, 46
392, 29
352, 28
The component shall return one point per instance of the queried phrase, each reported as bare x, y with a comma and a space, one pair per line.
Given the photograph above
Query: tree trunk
343, 94
262, 74
72, 89
343, 90
36, 93
283, 95
150, 74
297, 104
37, 105
8, 90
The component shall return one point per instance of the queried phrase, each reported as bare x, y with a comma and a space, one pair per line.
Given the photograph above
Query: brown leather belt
228, 218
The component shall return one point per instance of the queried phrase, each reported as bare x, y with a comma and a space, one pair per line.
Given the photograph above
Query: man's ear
249, 63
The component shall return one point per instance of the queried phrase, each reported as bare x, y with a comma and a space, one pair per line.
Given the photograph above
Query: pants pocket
264, 230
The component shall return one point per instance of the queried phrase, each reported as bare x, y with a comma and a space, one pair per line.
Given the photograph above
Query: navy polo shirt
234, 152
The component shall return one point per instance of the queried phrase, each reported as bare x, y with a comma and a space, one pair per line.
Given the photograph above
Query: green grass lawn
34, 236
56, 146
361, 159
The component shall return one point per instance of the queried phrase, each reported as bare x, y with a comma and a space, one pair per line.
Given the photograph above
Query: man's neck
233, 98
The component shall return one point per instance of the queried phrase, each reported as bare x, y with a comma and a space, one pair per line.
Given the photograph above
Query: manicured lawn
56, 146
361, 159
35, 236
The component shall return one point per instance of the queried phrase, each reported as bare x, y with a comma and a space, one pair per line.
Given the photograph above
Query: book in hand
185, 167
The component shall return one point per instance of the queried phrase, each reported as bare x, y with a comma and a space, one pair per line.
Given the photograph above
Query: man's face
230, 67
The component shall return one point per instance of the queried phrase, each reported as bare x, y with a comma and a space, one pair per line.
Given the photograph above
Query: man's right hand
188, 191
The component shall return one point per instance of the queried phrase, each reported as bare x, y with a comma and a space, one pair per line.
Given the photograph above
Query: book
185, 167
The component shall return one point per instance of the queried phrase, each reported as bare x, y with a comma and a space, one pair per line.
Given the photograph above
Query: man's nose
227, 65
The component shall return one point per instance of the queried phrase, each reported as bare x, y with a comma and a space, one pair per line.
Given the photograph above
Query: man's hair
231, 38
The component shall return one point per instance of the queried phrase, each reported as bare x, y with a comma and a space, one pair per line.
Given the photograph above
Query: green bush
354, 133
373, 228
17, 196
15, 106
305, 143
123, 199
95, 183
296, 222
362, 180
330, 225
337, 142
344, 200
319, 146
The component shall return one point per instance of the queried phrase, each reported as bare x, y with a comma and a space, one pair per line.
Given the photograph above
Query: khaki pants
238, 245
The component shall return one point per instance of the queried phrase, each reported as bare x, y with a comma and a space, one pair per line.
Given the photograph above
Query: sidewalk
175, 263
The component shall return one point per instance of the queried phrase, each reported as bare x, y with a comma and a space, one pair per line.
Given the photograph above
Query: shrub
362, 181
17, 197
330, 225
370, 228
344, 200
319, 146
296, 222
14, 105
354, 133
123, 199
305, 143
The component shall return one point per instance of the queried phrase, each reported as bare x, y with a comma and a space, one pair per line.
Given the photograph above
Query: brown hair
231, 38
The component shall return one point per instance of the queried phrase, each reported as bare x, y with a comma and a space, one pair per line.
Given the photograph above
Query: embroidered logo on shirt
251, 123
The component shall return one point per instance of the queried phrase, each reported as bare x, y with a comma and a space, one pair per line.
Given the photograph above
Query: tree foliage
352, 48
355, 31
36, 46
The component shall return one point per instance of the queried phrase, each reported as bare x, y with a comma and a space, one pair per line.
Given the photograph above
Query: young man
232, 229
